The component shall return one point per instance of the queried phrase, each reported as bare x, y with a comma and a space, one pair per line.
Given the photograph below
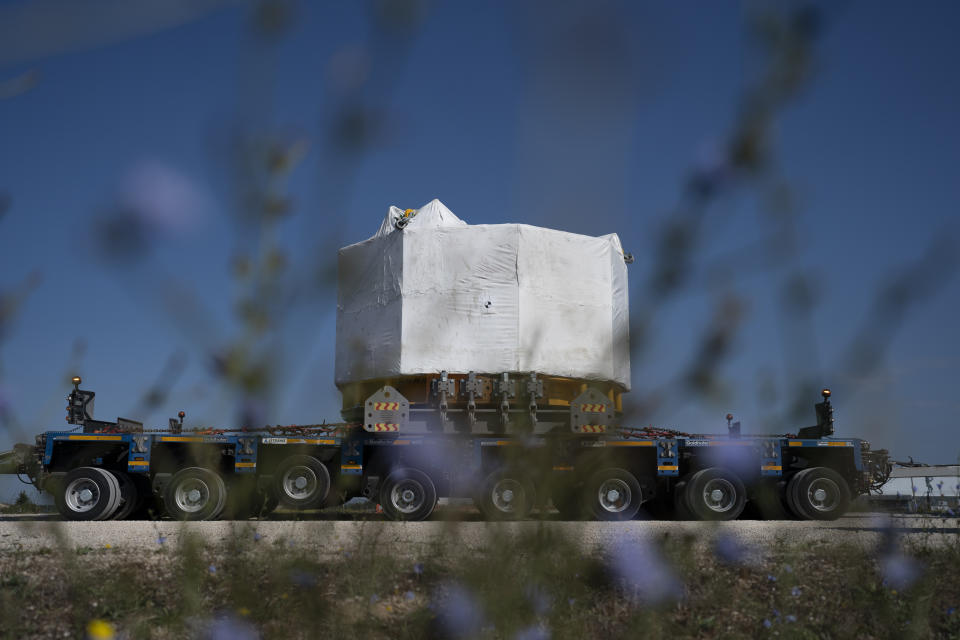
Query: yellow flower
100, 630
243, 611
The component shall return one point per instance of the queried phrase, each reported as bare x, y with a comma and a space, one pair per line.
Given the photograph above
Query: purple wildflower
533, 632
767, 623
229, 628
418, 568
791, 617
899, 570
771, 578
459, 614
163, 198
409, 595
730, 550
212, 569
639, 568
795, 591
539, 600
303, 578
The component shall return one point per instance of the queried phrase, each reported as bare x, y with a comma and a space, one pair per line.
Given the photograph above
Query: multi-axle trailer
116, 470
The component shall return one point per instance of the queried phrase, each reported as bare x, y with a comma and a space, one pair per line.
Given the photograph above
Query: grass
532, 586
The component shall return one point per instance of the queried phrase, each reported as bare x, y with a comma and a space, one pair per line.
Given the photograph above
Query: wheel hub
407, 496
823, 495
192, 495
614, 495
508, 495
719, 495
82, 495
300, 483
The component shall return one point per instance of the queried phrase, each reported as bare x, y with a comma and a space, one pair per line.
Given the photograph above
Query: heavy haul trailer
592, 469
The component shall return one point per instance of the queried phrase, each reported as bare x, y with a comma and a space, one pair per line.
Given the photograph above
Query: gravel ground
31, 533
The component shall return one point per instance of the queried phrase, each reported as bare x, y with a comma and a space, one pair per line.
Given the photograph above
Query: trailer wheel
130, 498
195, 493
568, 500
715, 494
680, 509
270, 504
302, 482
408, 494
614, 494
506, 495
767, 500
820, 493
790, 495
88, 493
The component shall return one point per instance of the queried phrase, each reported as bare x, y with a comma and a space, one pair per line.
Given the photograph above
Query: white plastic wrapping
441, 295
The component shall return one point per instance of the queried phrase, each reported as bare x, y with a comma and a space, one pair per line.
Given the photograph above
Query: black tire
791, 493
770, 500
301, 482
821, 494
568, 500
244, 499
613, 494
408, 494
680, 509
506, 495
195, 493
88, 493
715, 493
130, 499
149, 507
270, 504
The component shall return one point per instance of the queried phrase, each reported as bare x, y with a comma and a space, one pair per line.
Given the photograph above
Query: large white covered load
430, 293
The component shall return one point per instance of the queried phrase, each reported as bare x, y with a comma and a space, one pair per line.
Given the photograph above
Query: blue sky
588, 120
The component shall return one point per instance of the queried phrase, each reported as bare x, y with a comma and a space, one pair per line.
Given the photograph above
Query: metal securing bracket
470, 389
442, 388
506, 389
534, 391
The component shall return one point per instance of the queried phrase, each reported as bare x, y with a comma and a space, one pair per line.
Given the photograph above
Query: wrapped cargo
429, 293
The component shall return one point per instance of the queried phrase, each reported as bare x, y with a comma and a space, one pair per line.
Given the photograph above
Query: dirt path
336, 536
